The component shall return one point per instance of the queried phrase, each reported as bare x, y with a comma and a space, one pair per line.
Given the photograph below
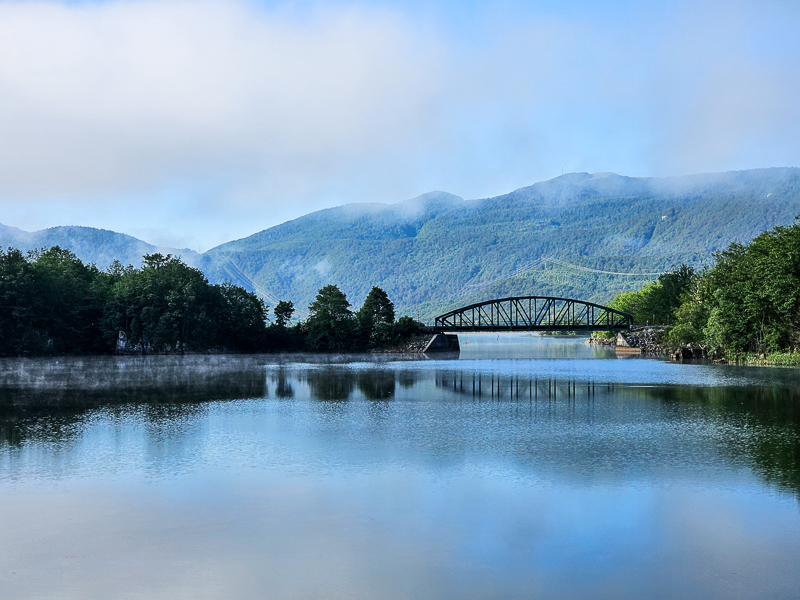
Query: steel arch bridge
534, 313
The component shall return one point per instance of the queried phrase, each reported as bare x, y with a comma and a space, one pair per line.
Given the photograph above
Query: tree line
747, 302
53, 303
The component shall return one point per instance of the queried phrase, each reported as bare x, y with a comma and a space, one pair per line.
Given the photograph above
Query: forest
747, 302
51, 303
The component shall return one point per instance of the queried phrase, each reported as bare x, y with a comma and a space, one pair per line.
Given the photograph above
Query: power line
566, 264
233, 270
532, 265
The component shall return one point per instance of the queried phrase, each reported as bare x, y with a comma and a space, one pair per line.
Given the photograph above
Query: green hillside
439, 251
98, 246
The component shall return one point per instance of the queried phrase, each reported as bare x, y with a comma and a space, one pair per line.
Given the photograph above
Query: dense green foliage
52, 303
657, 302
283, 312
332, 326
753, 294
167, 305
748, 302
376, 319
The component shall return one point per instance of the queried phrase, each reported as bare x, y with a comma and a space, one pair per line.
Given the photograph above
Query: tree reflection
757, 426
406, 379
765, 420
54, 407
330, 384
377, 385
283, 387
772, 415
339, 384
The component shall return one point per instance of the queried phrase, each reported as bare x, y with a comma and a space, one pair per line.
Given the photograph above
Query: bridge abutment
443, 342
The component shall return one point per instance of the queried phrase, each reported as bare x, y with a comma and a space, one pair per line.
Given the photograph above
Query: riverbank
650, 340
776, 359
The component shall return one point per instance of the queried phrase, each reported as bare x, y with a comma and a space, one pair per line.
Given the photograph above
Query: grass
779, 359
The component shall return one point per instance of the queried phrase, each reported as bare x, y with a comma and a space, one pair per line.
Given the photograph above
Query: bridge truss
534, 313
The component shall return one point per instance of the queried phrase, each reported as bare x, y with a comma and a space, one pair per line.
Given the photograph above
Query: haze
194, 123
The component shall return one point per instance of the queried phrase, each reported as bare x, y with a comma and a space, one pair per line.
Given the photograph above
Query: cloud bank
200, 121
100, 97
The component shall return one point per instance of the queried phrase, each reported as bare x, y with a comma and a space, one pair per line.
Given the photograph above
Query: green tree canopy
20, 320
50, 302
377, 307
331, 324
756, 293
749, 301
283, 312
656, 302
375, 318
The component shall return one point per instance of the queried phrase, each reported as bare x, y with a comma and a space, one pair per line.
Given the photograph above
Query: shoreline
649, 341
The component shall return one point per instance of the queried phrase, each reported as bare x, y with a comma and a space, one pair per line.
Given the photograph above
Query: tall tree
283, 312
18, 305
69, 301
375, 318
331, 324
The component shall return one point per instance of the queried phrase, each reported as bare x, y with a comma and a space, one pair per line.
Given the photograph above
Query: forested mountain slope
440, 251
98, 246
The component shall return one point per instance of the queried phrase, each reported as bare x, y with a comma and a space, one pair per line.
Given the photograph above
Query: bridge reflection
511, 387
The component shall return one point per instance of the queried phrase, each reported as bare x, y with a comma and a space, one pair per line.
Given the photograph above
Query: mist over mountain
440, 251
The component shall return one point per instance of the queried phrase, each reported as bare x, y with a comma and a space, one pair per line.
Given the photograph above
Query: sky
192, 123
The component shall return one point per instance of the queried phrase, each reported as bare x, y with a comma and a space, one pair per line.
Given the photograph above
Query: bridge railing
534, 313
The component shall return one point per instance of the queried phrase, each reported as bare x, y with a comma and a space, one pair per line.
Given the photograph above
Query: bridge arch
534, 313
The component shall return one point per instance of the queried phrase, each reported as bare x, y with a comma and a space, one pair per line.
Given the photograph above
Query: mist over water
523, 467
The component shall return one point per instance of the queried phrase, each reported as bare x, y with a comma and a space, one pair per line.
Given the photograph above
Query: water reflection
28, 383
330, 384
283, 386
49, 400
521, 466
754, 425
377, 385
338, 384
640, 426
771, 413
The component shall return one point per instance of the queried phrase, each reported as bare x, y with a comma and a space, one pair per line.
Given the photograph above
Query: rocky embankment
645, 340
414, 345
650, 340
425, 343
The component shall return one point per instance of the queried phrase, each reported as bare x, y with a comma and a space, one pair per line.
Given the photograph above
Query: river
525, 467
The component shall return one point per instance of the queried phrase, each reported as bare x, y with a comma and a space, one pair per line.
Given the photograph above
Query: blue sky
193, 123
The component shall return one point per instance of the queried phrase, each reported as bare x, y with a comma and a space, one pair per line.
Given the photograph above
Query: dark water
525, 468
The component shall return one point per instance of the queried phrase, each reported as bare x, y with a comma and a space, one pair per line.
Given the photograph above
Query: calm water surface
526, 467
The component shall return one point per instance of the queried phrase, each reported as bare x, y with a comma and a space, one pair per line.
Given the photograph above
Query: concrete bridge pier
443, 342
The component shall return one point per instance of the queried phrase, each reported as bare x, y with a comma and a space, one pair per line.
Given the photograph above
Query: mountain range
581, 235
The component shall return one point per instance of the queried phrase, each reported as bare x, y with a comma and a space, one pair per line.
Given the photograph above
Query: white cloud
203, 121
111, 97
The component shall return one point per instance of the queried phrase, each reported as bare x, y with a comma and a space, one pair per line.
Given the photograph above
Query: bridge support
443, 342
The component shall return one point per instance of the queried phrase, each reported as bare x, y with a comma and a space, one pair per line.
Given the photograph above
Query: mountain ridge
438, 250
451, 252
84, 241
